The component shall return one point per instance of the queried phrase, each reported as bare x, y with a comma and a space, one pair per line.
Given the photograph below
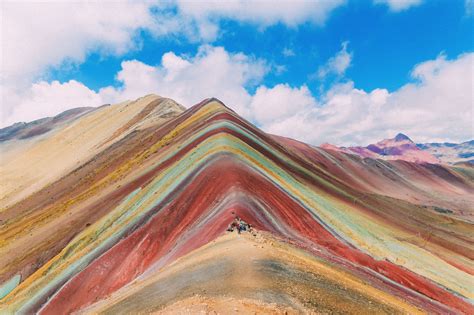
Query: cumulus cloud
261, 13
437, 106
45, 99
271, 105
32, 39
213, 71
399, 5
338, 64
38, 35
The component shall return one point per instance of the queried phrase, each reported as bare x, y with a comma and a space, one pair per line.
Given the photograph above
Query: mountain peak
402, 137
142, 194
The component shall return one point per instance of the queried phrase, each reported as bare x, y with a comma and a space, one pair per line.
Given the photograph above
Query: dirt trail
228, 305
249, 274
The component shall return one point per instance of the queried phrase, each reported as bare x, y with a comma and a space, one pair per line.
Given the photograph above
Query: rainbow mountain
124, 209
403, 148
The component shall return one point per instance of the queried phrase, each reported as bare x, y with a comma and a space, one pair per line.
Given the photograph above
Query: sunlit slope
163, 191
29, 164
254, 273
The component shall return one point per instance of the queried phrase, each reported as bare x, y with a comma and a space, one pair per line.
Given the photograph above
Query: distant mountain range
24, 130
451, 153
401, 147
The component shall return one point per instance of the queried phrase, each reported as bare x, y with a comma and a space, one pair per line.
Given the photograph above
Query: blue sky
347, 72
386, 45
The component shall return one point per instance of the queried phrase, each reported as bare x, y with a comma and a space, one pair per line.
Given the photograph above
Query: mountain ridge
401, 147
158, 193
431, 152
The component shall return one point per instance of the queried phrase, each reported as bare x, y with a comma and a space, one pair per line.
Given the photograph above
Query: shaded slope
174, 189
38, 127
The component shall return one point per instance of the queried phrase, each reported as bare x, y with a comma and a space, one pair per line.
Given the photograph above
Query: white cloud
272, 105
341, 116
36, 35
211, 72
432, 108
399, 5
337, 64
437, 107
261, 13
45, 99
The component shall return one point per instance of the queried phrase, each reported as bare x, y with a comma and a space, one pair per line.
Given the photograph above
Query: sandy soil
249, 274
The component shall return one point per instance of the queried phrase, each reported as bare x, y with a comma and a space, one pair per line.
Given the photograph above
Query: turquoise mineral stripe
237, 128
197, 159
8, 286
171, 178
74, 268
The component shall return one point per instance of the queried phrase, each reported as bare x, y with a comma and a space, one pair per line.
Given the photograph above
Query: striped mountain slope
145, 210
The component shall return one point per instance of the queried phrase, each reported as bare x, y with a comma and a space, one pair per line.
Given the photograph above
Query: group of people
239, 225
